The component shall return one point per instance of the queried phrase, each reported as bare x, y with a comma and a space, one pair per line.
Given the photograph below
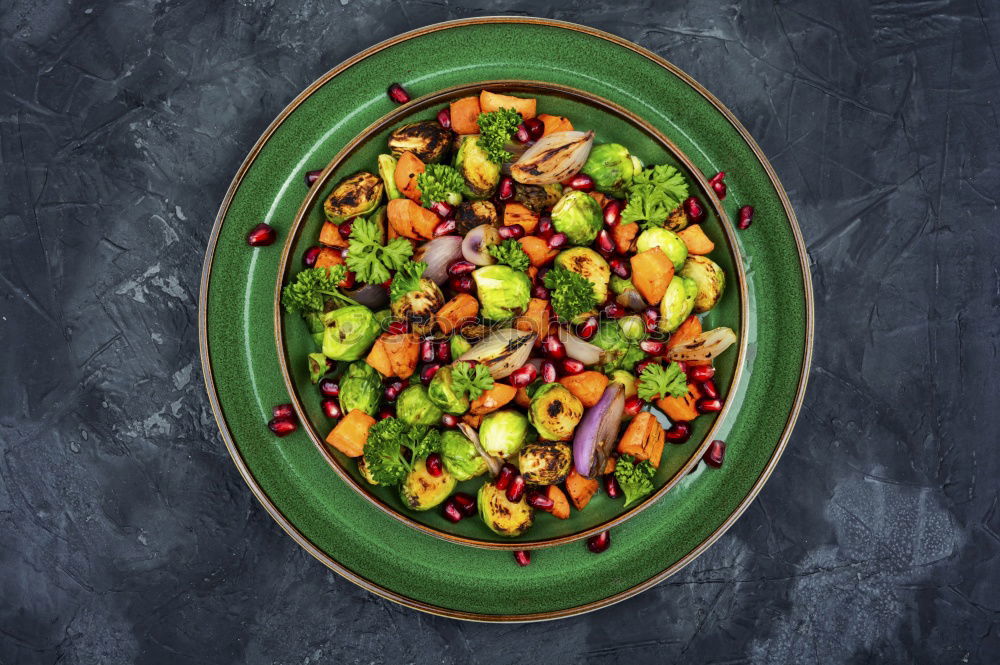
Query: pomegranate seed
588, 329
720, 189
620, 268
556, 240
644, 364
344, 228
261, 235
398, 93
282, 426
544, 228
553, 348
549, 373
444, 228
613, 212
521, 134
451, 511
283, 411
614, 311
427, 351
466, 503
331, 409
449, 420
507, 473
715, 454
312, 176
708, 389
535, 128
572, 366
461, 284
708, 405
433, 465
678, 433
521, 377
310, 255
718, 177
700, 373
505, 189
746, 218
694, 210
386, 413
398, 327
442, 351
600, 542
516, 488
539, 500
652, 347
540, 292
329, 388
605, 245
523, 557
444, 118
580, 181
634, 404
428, 372
461, 268
611, 486
651, 318
441, 209
514, 231
393, 388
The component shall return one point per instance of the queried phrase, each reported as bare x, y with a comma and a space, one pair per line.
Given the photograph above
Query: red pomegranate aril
613, 212
521, 377
283, 411
678, 433
613, 310
434, 464
441, 209
393, 388
718, 177
611, 486
605, 245
708, 389
580, 181
428, 372
442, 352
700, 373
312, 176
557, 240
708, 405
451, 511
600, 542
461, 268
461, 284
653, 347
540, 292
516, 488
261, 235
331, 409
512, 231
620, 268
539, 500
282, 426
720, 189
694, 210
715, 454
329, 388
521, 134
522, 557
651, 318
745, 217
445, 227
398, 93
444, 118
634, 404
643, 364
507, 473
449, 420
544, 228
427, 351
465, 502
588, 329
310, 255
572, 366
553, 348
386, 413
398, 327
505, 189
535, 128
344, 228
549, 372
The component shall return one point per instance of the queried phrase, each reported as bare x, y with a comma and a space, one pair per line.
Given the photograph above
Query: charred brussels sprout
668, 241
709, 278
579, 216
349, 332
481, 175
555, 412
365, 472
414, 407
460, 456
503, 292
422, 491
502, 432
387, 171
360, 388
470, 214
627, 379
418, 306
678, 302
426, 139
441, 391
353, 196
590, 265
538, 197
545, 463
619, 352
502, 516
317, 366
611, 166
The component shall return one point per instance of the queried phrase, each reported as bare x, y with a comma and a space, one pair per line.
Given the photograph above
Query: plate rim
401, 599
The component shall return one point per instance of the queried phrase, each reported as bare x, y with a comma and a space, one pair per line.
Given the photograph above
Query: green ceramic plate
612, 124
344, 530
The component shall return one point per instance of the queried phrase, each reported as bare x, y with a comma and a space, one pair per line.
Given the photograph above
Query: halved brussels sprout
470, 214
678, 302
619, 285
422, 491
360, 388
502, 433
632, 327
459, 345
441, 391
677, 220
503, 292
669, 243
555, 412
627, 380
502, 516
481, 175
414, 407
418, 306
619, 351
710, 279
353, 196
545, 463
349, 332
364, 471
538, 197
317, 366
588, 264
579, 216
426, 139
460, 456
611, 167
387, 171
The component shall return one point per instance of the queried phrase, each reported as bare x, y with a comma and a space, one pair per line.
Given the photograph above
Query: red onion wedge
476, 242
576, 348
439, 254
372, 296
598, 431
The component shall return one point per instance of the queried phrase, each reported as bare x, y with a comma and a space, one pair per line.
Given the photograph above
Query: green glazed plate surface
341, 528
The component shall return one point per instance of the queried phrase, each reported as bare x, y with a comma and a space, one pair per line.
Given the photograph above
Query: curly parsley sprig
510, 253
634, 477
495, 130
653, 194
311, 288
383, 449
440, 182
659, 381
368, 258
571, 294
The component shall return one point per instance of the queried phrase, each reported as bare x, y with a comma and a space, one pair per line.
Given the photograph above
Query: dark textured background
127, 535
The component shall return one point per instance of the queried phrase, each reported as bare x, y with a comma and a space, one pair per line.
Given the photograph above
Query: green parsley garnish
369, 259
495, 129
383, 449
659, 381
308, 293
406, 279
571, 294
653, 194
634, 477
474, 379
510, 253
440, 182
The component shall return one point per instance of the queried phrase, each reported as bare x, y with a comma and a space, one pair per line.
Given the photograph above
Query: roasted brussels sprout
588, 264
441, 391
481, 175
426, 139
555, 412
365, 473
579, 216
360, 388
422, 491
619, 351
317, 366
459, 345
709, 278
353, 196
502, 516
678, 302
545, 463
418, 306
470, 214
669, 243
503, 292
632, 327
502, 433
619, 285
538, 197
414, 407
387, 171
349, 332
611, 166
627, 379
460, 456
677, 220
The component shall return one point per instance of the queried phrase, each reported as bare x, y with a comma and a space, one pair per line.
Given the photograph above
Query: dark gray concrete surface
128, 537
